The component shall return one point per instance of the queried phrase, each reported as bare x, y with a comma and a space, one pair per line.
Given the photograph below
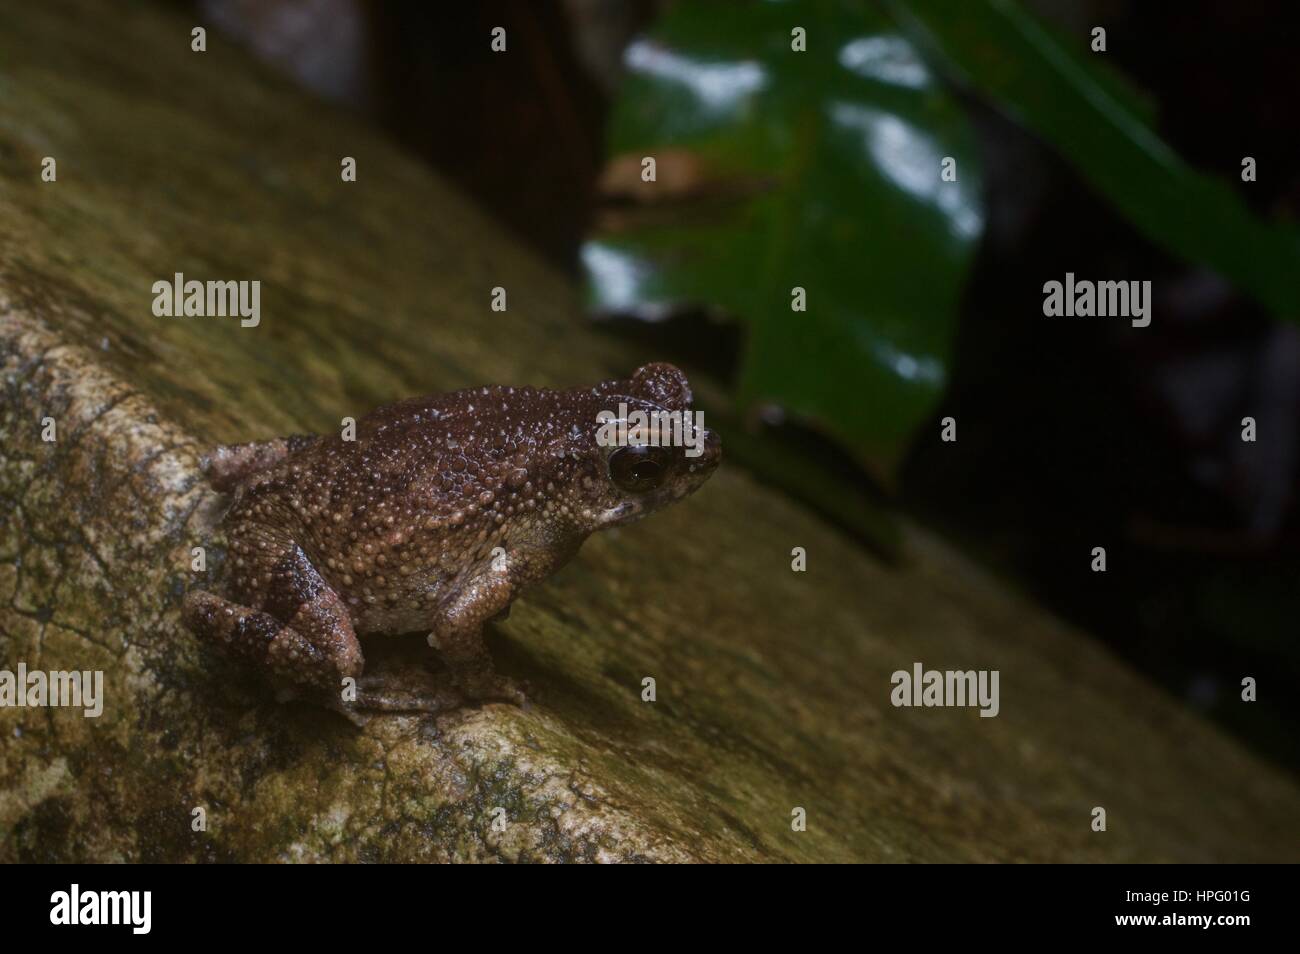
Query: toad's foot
376, 695
488, 686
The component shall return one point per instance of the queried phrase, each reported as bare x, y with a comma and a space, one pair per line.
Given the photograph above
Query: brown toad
435, 517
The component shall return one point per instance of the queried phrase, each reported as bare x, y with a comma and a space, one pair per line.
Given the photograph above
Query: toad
434, 516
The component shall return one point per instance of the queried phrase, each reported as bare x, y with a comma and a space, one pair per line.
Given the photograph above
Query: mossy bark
772, 686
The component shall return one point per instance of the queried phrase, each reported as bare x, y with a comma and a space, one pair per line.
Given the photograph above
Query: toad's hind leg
299, 633
231, 464
304, 642
309, 658
301, 653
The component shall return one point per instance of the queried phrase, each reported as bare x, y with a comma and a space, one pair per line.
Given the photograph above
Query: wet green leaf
779, 169
1065, 94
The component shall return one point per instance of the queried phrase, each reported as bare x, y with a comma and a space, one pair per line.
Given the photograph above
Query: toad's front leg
487, 595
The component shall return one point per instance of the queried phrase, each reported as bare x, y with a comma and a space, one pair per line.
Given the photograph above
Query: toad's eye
638, 469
